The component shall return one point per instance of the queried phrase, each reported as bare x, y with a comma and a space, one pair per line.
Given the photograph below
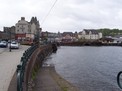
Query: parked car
3, 44
14, 45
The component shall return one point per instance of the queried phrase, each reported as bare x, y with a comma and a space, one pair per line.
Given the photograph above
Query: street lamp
10, 42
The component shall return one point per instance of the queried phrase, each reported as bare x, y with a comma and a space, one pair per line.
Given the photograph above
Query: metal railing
31, 60
22, 65
119, 79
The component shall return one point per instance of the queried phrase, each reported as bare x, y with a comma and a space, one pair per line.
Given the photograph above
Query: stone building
27, 30
22, 27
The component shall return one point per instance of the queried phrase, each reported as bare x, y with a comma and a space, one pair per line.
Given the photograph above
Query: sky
66, 15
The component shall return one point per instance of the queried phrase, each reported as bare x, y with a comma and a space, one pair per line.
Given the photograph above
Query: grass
64, 89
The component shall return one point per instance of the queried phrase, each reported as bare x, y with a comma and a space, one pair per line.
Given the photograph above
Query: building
34, 25
27, 30
69, 37
3, 35
9, 32
106, 40
49, 36
90, 34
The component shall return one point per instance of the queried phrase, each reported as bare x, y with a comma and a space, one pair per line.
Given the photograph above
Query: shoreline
90, 44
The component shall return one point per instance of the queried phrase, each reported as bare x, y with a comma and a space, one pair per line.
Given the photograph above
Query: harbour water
89, 68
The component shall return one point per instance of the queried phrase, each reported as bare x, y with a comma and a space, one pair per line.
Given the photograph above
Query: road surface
2, 50
8, 64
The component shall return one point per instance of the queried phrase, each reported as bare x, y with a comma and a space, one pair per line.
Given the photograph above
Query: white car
14, 45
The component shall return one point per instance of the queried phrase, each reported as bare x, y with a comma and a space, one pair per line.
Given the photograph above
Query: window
22, 30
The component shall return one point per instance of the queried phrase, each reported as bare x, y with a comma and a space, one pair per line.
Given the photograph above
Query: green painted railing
30, 61
119, 79
22, 65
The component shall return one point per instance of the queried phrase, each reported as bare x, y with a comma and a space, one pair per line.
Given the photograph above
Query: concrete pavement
2, 50
48, 79
8, 64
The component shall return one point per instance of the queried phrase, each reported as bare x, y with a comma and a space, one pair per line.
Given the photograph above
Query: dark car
3, 44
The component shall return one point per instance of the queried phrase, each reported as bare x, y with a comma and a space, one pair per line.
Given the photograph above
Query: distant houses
90, 34
25, 31
111, 40
68, 37
48, 36
29, 30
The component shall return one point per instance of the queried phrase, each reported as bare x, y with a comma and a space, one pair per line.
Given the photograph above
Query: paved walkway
8, 64
48, 80
45, 82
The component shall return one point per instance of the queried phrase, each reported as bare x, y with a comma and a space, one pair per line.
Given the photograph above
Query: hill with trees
110, 32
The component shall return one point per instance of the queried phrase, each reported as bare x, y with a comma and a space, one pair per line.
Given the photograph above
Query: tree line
110, 32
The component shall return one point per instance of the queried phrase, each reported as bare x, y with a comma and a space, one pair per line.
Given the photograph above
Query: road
8, 64
2, 50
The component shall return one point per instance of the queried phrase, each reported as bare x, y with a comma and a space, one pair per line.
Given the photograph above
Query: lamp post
10, 42
46, 37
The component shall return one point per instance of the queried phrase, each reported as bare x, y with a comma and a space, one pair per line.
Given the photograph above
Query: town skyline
61, 31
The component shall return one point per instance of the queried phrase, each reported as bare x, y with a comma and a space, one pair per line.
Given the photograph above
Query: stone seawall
90, 44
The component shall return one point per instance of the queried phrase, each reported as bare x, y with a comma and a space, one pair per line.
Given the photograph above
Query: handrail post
19, 78
118, 79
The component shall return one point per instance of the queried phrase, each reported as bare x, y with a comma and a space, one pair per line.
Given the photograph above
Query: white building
25, 29
90, 34
22, 26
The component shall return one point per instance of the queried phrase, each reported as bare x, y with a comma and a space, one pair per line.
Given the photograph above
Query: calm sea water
89, 68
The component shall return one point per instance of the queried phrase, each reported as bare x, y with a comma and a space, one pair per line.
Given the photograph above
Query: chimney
22, 18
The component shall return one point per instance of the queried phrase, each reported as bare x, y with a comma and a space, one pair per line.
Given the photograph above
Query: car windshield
14, 43
3, 41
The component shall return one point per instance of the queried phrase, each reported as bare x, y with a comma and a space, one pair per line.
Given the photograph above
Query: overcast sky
67, 15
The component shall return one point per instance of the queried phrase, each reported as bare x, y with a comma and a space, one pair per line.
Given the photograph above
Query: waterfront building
69, 37
90, 34
27, 30
106, 40
49, 37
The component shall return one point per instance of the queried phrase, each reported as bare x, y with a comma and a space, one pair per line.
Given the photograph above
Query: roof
118, 36
67, 33
34, 20
93, 31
